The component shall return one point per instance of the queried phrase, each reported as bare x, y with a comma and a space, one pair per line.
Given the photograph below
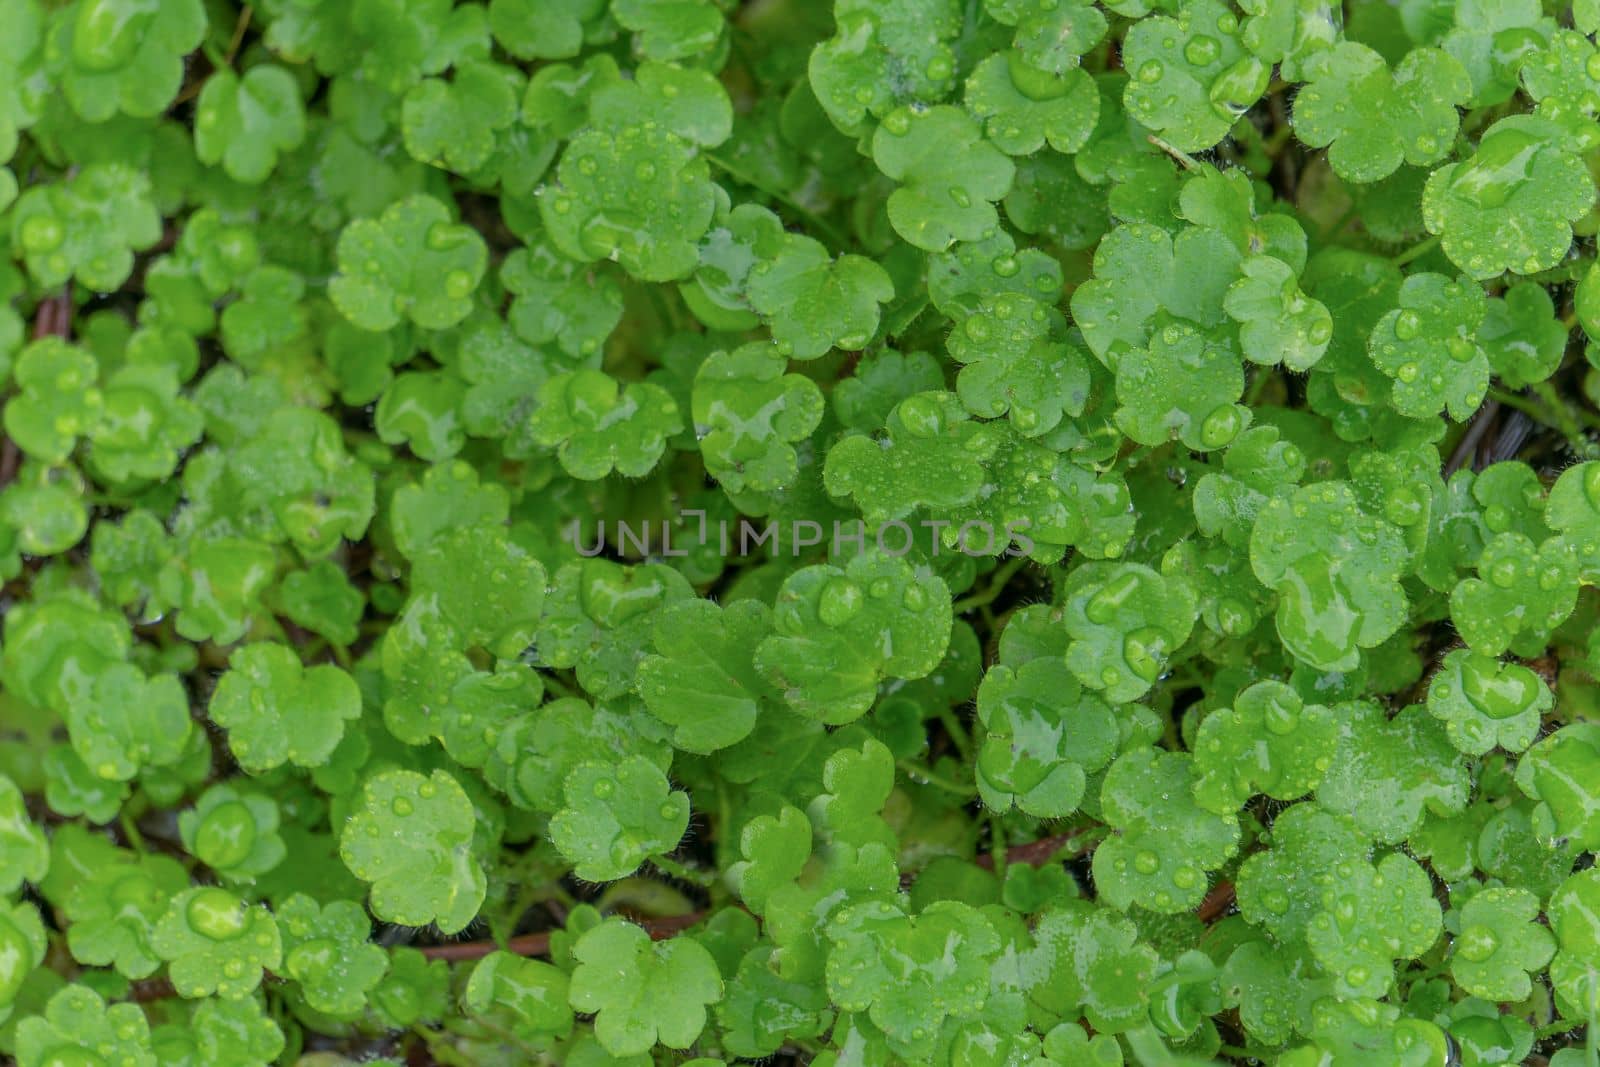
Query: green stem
997, 845
996, 586
923, 776
1185, 160
743, 176
1559, 409
958, 733
1416, 251
130, 830
1258, 385
673, 869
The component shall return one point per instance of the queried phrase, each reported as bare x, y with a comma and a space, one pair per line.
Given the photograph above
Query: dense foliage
985, 533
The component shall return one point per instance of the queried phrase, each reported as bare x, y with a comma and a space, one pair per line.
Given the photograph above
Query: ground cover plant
985, 533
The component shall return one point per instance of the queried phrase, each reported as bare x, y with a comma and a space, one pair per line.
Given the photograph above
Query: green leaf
1281, 887
1166, 843
560, 301
1022, 108
1484, 703
1336, 570
1522, 335
1092, 960
1183, 386
129, 721
813, 302
1573, 510
487, 587
22, 935
910, 974
1278, 323
89, 226
1429, 346
615, 816
215, 943
1386, 772
702, 680
234, 832
640, 195
246, 123
775, 849
1572, 917
1372, 917
949, 176
411, 838
217, 586
1523, 591
1499, 942
747, 415
1375, 118
640, 992
671, 29
123, 55
884, 55
599, 617
1192, 78
531, 992
115, 909
1270, 741
1557, 772
543, 29
59, 402
277, 711
233, 1033
1522, 171
598, 425
1125, 621
412, 263
455, 123
1043, 737
77, 1026
22, 844
839, 631
327, 952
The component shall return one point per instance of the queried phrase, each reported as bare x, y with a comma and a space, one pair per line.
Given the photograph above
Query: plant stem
673, 869
924, 776
996, 586
1416, 251
1566, 422
1185, 160
997, 845
739, 174
958, 733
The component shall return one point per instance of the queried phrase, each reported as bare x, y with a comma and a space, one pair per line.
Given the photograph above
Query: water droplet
458, 284
1477, 943
1151, 71
402, 806
1146, 862
1221, 426
1144, 650
1202, 50
1408, 325
840, 601
216, 914
1282, 712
